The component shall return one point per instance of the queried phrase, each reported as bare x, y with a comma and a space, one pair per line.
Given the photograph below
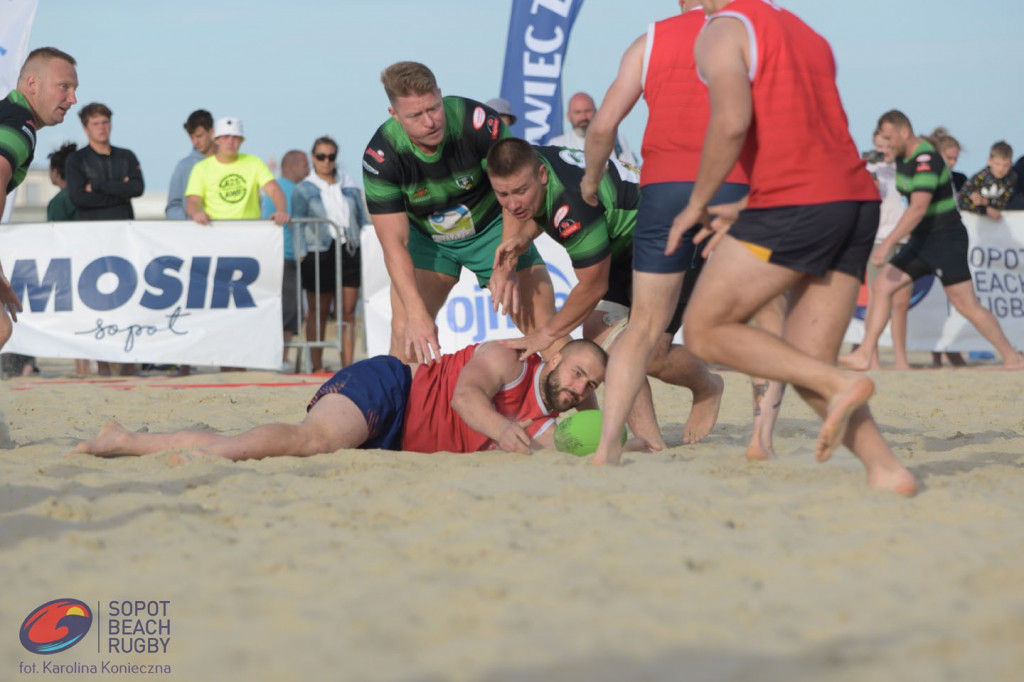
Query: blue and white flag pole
538, 36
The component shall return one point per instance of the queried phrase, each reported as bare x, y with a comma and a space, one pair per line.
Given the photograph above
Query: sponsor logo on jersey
479, 118
560, 214
923, 158
494, 125
465, 182
370, 169
30, 132
568, 228
375, 154
421, 193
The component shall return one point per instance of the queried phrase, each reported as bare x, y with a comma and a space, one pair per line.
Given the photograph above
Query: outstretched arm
492, 367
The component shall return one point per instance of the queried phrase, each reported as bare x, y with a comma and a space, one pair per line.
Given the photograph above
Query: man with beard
480, 398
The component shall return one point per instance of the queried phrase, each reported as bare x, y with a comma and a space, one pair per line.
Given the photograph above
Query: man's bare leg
334, 423
965, 301
890, 280
821, 311
898, 327
674, 364
434, 288
767, 393
627, 366
734, 285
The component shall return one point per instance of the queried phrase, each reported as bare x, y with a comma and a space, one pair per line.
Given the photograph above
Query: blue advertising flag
538, 35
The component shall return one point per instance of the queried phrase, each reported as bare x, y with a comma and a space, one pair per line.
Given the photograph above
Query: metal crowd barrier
303, 359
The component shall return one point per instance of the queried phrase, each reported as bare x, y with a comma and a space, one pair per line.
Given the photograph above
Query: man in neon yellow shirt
226, 186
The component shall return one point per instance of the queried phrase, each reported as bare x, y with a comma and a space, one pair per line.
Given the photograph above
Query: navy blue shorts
942, 251
813, 238
379, 386
620, 286
660, 203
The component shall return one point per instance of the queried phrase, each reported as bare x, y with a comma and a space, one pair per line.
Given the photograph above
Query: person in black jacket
102, 179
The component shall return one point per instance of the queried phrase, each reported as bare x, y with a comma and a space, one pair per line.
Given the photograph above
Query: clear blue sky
294, 71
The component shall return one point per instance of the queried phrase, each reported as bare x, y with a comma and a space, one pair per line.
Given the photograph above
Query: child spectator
988, 192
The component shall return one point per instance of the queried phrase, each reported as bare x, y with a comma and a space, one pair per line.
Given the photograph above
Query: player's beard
555, 398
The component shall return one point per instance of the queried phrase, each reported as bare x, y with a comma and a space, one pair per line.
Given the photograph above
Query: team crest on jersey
465, 182
375, 154
421, 193
479, 118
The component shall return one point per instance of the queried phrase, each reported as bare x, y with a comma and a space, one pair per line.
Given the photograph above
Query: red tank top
677, 103
431, 425
798, 148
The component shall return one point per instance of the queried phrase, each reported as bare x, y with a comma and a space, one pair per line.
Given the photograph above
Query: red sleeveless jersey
677, 103
798, 148
431, 425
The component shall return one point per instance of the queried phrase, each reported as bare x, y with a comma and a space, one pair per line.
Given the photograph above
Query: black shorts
620, 285
351, 269
942, 251
812, 238
290, 305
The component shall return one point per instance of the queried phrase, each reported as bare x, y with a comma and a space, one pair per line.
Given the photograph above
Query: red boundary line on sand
122, 385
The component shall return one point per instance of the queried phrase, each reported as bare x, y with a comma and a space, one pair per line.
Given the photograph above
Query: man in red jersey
480, 398
660, 66
779, 112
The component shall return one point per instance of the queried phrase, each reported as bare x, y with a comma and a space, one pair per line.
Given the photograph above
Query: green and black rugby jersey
17, 136
925, 171
446, 194
588, 233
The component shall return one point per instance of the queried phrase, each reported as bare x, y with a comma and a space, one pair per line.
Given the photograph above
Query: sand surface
692, 564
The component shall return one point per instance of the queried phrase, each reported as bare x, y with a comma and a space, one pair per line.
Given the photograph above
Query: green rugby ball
580, 432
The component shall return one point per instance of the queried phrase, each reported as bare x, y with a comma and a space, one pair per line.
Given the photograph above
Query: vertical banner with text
15, 26
538, 36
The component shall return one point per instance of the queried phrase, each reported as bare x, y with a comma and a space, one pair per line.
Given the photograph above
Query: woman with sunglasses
327, 194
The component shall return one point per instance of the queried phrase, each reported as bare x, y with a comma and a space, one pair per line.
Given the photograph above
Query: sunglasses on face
325, 157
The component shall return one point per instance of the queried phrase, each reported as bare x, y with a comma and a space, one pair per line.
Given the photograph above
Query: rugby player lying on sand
480, 398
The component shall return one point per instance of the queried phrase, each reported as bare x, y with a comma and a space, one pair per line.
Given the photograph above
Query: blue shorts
660, 203
379, 386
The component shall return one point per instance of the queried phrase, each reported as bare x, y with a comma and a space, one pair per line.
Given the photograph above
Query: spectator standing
199, 126
882, 167
226, 185
102, 181
294, 167
580, 113
60, 208
44, 93
328, 194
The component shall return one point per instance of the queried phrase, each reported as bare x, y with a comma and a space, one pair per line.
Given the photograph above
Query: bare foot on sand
1015, 361
895, 479
761, 448
855, 361
704, 411
840, 407
111, 441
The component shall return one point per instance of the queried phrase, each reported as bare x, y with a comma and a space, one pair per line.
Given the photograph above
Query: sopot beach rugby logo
56, 626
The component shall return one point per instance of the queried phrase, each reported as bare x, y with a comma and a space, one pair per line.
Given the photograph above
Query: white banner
466, 316
997, 264
155, 291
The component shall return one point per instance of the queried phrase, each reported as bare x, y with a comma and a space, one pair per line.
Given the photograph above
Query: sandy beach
691, 564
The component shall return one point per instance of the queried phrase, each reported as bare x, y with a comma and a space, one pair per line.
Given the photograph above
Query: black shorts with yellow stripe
812, 238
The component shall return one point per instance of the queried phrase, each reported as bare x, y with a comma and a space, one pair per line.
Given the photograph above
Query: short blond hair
403, 79
38, 59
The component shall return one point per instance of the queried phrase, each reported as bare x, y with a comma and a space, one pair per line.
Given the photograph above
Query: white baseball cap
228, 126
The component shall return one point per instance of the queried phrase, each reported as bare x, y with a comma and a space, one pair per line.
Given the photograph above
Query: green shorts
475, 253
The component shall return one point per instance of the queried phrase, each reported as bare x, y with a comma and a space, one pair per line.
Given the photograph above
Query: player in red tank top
753, 54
